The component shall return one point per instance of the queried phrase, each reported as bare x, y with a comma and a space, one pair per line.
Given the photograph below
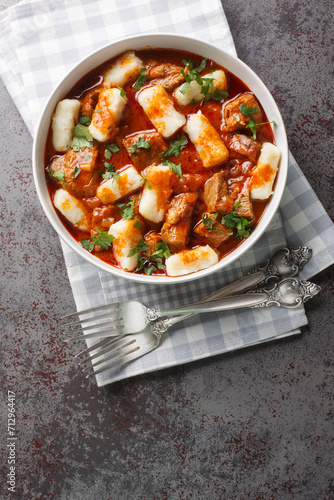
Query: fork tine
92, 309
106, 348
100, 316
116, 352
95, 346
118, 361
111, 325
108, 332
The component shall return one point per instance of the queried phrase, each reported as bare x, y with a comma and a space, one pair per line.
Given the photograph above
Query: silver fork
127, 317
290, 293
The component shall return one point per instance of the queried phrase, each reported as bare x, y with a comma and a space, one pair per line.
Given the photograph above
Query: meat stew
158, 154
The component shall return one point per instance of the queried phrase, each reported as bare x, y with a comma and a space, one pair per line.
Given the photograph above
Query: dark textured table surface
253, 424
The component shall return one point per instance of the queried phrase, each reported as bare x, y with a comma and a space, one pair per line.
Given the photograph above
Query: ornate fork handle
289, 293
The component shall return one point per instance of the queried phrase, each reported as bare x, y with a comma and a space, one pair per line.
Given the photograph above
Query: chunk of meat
215, 236
243, 145
190, 182
151, 240
89, 102
83, 182
103, 217
167, 75
246, 208
234, 119
176, 229
216, 195
142, 157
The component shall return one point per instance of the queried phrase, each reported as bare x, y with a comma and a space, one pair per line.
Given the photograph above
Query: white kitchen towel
40, 40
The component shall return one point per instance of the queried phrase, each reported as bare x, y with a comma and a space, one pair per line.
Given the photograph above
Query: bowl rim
143, 41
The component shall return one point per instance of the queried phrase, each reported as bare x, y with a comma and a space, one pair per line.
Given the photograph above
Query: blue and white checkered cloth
40, 40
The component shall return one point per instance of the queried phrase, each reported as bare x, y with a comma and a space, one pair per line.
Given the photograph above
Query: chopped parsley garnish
150, 264
209, 220
238, 223
161, 251
249, 111
107, 154
141, 144
76, 172
112, 147
176, 146
59, 175
123, 93
82, 138
85, 120
219, 95
103, 238
87, 157
126, 209
97, 110
138, 225
87, 245
207, 88
177, 169
110, 172
148, 185
141, 247
140, 79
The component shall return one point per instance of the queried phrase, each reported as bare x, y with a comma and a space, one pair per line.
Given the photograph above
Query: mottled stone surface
253, 424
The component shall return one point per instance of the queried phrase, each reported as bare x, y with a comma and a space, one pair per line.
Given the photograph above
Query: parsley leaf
161, 251
123, 93
138, 225
140, 79
107, 154
141, 144
219, 95
85, 120
141, 247
239, 223
154, 262
201, 66
59, 175
82, 138
176, 146
113, 148
126, 209
177, 169
87, 245
209, 219
104, 239
76, 172
110, 172
247, 111
148, 185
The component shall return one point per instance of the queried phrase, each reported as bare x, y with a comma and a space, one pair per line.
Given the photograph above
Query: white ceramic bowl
172, 41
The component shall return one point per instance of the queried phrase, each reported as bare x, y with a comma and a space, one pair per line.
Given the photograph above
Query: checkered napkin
40, 40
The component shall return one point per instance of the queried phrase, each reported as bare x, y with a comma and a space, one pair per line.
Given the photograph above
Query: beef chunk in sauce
151, 240
89, 102
176, 229
216, 195
167, 75
81, 183
215, 236
234, 119
246, 209
103, 217
243, 145
142, 157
